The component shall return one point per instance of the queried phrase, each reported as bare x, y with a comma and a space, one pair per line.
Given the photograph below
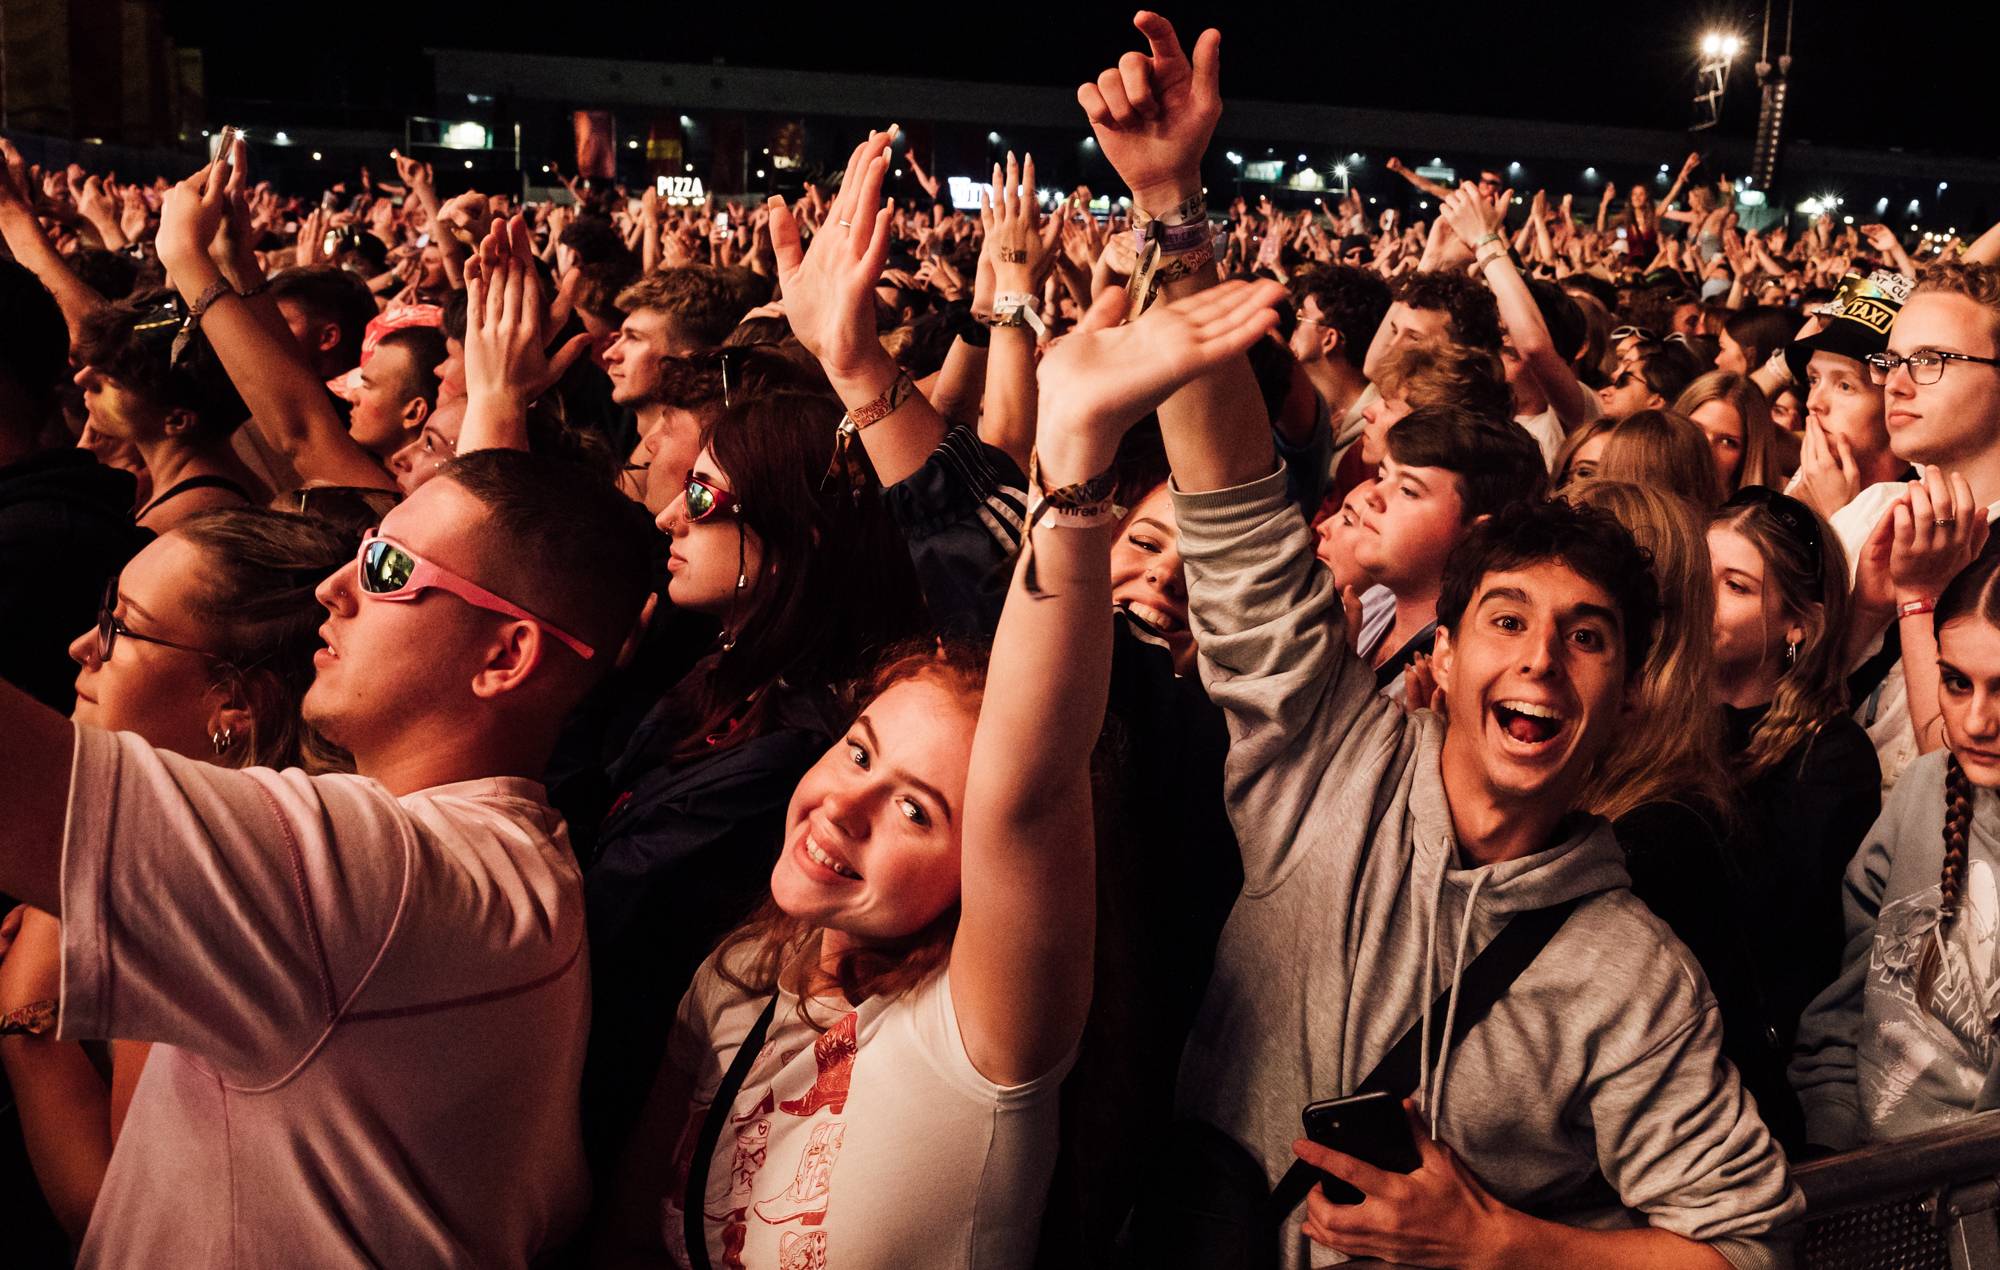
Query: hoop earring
222, 740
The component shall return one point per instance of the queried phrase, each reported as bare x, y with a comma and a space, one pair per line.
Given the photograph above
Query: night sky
1609, 62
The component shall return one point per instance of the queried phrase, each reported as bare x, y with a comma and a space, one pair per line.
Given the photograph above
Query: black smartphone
1371, 1128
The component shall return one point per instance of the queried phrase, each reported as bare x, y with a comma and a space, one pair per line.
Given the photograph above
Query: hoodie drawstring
1435, 1099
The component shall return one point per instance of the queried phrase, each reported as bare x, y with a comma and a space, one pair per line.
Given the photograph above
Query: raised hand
1020, 244
506, 365
1471, 215
193, 212
1154, 113
829, 286
1939, 529
1102, 377
412, 172
925, 179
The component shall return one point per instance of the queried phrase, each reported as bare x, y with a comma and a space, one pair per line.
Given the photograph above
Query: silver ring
847, 224
1947, 523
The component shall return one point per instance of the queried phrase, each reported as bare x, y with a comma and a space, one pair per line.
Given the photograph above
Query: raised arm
32, 249
288, 404
1153, 114
829, 290
35, 750
1480, 221
1423, 183
506, 326
1021, 963
1022, 248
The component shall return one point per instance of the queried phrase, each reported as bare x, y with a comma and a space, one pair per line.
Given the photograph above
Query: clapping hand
1102, 377
829, 286
506, 326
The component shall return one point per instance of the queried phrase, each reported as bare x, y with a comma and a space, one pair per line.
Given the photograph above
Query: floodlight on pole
1718, 50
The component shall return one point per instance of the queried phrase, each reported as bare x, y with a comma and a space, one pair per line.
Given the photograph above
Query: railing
1922, 1203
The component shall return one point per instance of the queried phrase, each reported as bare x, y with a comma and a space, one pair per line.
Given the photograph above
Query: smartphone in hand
1371, 1128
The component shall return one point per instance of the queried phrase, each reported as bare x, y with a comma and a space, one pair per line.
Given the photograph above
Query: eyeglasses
1303, 317
387, 570
1793, 516
706, 499
109, 628
1632, 332
1926, 365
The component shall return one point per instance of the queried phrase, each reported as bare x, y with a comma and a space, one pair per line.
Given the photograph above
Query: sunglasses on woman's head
705, 498
387, 570
1793, 516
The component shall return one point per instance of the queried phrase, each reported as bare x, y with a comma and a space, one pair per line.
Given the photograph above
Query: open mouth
1151, 620
1529, 723
818, 855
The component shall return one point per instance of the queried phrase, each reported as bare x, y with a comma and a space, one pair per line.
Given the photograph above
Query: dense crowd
1283, 735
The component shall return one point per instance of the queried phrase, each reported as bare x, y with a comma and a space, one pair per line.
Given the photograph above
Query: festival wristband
1915, 608
216, 290
36, 1018
1174, 240
1018, 308
882, 406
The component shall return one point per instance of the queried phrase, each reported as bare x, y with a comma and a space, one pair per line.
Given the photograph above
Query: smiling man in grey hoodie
1590, 1116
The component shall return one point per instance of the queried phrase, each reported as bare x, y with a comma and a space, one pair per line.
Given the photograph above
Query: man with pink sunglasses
367, 993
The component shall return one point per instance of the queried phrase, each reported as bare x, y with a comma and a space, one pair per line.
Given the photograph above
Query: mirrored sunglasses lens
700, 500
384, 568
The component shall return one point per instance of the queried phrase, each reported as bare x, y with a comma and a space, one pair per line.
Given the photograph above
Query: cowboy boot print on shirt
833, 1056
802, 1252
805, 1200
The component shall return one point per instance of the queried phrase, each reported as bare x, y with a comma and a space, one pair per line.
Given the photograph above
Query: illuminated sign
1264, 170
679, 191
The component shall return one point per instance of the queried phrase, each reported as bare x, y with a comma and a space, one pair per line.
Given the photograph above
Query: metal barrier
1922, 1203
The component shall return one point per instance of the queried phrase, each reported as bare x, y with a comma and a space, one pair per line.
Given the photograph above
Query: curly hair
133, 343
1978, 283
1474, 317
703, 302
1453, 375
1352, 301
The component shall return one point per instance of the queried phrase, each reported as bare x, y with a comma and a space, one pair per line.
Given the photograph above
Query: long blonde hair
1674, 746
1760, 464
1810, 578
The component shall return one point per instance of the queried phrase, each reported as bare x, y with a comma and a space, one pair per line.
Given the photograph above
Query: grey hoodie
1874, 1060
1603, 1058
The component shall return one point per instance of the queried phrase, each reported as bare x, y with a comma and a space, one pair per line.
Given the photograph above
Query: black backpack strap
694, 1221
1421, 642
1484, 982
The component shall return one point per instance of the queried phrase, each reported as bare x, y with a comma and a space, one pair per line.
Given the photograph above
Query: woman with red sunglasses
203, 647
806, 582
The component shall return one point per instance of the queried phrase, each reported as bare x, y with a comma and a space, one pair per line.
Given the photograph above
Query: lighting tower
1771, 115
1718, 50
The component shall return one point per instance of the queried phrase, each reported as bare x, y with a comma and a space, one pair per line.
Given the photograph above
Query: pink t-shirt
368, 1013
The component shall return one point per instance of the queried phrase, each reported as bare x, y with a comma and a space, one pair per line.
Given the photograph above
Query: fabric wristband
36, 1018
1915, 608
1018, 308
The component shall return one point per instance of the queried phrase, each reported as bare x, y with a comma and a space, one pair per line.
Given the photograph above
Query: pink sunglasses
390, 571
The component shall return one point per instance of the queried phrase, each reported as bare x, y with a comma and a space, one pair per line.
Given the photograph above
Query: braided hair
1951, 878
1975, 592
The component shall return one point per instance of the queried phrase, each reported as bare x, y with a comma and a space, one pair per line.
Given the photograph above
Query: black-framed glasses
1793, 516
1926, 365
109, 628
